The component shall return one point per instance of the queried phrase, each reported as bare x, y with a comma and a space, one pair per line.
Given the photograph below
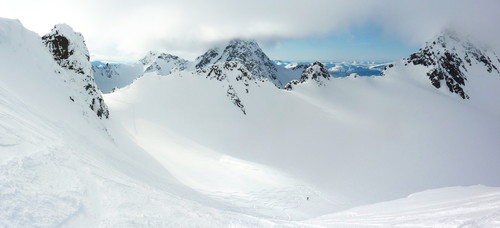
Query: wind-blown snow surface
475, 206
177, 152
370, 138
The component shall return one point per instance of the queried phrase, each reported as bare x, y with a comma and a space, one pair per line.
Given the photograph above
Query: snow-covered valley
223, 146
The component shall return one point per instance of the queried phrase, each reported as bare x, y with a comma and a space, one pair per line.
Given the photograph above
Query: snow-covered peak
452, 59
163, 63
316, 71
246, 52
70, 52
449, 34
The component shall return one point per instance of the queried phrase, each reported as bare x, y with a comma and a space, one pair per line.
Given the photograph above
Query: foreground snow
475, 206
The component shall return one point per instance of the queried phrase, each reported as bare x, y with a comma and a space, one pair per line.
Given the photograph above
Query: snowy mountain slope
367, 138
315, 71
224, 177
178, 150
449, 59
60, 168
246, 52
109, 76
69, 51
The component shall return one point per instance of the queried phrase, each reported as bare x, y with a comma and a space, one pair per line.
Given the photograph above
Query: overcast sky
287, 29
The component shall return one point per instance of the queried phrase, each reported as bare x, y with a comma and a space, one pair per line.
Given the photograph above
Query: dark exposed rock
233, 96
220, 72
70, 52
205, 59
315, 71
289, 86
58, 45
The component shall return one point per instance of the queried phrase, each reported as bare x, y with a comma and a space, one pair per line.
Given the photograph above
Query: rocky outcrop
231, 74
315, 71
70, 52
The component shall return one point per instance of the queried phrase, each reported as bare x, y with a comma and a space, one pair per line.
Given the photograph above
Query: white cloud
126, 29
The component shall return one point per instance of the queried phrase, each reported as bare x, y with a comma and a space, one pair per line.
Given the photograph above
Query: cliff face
70, 52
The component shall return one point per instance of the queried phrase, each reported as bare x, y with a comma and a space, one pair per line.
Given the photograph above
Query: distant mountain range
112, 74
343, 68
448, 57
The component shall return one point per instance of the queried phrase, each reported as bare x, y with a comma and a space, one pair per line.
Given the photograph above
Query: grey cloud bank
128, 29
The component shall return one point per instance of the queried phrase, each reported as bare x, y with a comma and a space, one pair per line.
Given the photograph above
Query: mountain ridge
448, 58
